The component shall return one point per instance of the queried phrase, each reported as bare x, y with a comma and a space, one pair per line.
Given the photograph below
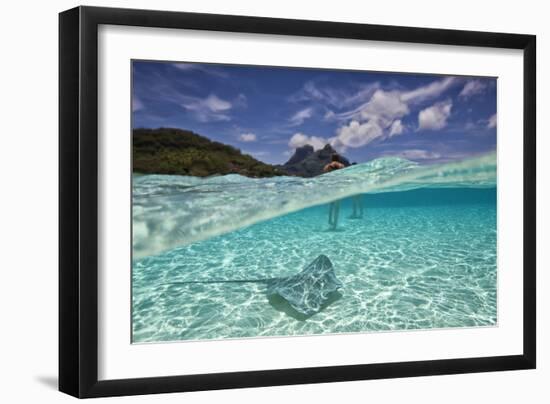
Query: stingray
306, 292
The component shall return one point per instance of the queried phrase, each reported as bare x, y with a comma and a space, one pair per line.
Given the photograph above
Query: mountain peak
306, 162
300, 154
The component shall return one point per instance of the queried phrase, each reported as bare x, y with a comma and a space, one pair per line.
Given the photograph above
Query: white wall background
28, 222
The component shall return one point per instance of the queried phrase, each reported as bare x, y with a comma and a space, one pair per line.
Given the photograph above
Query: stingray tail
261, 280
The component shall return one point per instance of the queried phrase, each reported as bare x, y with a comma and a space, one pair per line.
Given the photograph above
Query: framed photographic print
251, 201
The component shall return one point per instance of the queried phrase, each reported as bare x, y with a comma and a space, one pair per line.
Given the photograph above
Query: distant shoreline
182, 152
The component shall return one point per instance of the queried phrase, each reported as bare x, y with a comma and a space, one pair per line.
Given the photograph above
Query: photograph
273, 201
251, 202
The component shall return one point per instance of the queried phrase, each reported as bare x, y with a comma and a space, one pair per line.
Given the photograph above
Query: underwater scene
413, 248
272, 201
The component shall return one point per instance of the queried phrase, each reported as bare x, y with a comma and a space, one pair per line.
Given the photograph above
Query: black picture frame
78, 201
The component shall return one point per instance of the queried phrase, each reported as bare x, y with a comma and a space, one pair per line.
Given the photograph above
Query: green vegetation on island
182, 152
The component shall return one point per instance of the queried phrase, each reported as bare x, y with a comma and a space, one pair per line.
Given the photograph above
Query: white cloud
364, 94
247, 137
299, 117
435, 117
396, 128
326, 95
383, 106
492, 122
334, 97
136, 104
211, 108
378, 116
340, 99
205, 68
432, 90
395, 104
186, 66
381, 116
329, 115
471, 88
358, 134
300, 139
216, 104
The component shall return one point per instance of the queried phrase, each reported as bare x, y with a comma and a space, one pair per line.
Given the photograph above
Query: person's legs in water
336, 214
357, 203
333, 213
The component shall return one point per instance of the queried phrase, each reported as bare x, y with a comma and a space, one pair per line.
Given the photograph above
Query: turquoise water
422, 256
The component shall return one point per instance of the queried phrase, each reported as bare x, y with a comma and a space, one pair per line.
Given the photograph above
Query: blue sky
269, 111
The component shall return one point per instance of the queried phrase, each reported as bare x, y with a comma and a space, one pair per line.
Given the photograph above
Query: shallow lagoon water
417, 259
